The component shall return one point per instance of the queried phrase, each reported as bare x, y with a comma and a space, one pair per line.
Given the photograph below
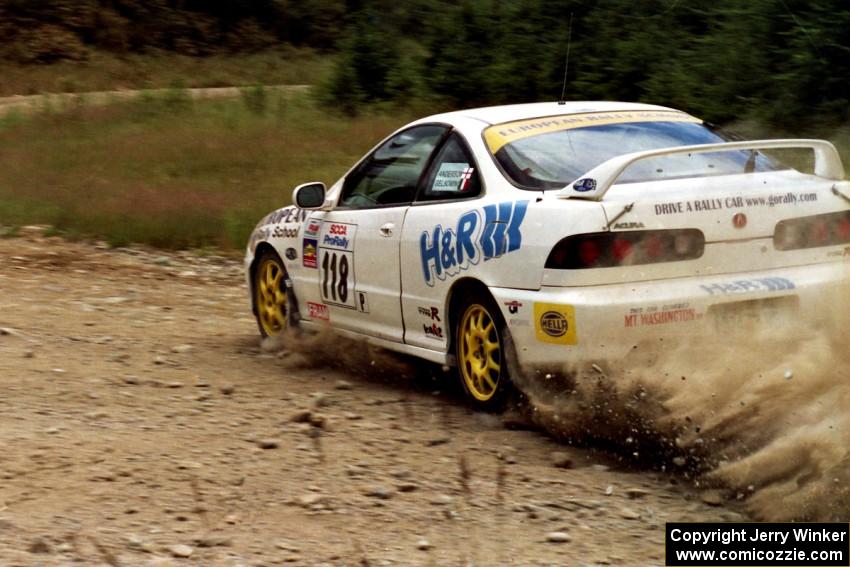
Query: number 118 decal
336, 277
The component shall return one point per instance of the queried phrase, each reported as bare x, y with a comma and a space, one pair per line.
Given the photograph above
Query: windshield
552, 152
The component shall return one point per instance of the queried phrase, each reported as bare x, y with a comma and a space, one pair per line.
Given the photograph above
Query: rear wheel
480, 351
270, 294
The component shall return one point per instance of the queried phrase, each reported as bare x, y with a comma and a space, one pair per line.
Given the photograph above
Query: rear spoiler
595, 183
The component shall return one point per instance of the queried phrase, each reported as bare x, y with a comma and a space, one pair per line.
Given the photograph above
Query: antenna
567, 60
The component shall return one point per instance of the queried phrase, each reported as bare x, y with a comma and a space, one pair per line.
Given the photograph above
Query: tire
270, 294
481, 353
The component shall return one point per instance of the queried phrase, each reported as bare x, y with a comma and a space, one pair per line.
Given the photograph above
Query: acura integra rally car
551, 233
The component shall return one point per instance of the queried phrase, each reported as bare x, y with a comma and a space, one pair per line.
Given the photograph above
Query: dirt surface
142, 423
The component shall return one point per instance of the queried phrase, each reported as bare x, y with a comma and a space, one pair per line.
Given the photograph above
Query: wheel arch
261, 248
461, 288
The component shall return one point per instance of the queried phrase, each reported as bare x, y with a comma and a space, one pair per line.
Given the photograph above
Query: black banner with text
757, 545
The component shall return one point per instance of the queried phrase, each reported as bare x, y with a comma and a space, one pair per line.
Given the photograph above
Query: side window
453, 174
390, 175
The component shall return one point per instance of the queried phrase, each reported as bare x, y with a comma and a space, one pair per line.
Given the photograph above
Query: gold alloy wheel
270, 296
480, 353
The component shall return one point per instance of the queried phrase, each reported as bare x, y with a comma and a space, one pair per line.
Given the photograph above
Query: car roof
512, 112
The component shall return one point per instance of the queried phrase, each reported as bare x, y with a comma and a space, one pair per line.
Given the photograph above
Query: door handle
387, 229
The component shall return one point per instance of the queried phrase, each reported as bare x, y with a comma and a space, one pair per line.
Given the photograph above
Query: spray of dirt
761, 417
327, 349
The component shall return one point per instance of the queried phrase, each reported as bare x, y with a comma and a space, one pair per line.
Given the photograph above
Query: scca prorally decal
337, 235
488, 233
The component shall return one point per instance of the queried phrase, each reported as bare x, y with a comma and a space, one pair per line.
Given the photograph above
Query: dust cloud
762, 414
328, 349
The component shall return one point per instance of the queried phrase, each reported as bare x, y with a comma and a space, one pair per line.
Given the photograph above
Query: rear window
552, 152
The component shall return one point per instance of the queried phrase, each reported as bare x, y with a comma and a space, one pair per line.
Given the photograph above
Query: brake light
812, 232
589, 252
819, 233
653, 246
606, 249
842, 229
622, 249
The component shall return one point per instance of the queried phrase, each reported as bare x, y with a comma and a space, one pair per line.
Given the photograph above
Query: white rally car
552, 233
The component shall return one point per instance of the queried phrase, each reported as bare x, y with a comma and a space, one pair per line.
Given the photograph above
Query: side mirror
309, 196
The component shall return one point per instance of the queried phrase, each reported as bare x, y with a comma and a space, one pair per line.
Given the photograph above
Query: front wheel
480, 349
270, 292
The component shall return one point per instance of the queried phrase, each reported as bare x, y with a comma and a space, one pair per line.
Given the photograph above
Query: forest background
763, 67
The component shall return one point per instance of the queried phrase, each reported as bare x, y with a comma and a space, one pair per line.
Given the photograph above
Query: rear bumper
555, 326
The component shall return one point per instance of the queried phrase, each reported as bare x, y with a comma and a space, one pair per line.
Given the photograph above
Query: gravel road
143, 423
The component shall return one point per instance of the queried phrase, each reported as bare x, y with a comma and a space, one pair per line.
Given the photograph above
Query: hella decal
555, 323
488, 233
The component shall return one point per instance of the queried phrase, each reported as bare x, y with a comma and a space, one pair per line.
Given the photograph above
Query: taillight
842, 229
607, 249
588, 252
819, 233
653, 246
811, 232
622, 249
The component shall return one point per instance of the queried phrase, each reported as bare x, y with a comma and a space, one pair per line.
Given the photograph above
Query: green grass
164, 170
107, 71
171, 172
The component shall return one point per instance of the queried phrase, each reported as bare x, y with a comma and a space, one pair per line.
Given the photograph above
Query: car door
437, 242
357, 243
